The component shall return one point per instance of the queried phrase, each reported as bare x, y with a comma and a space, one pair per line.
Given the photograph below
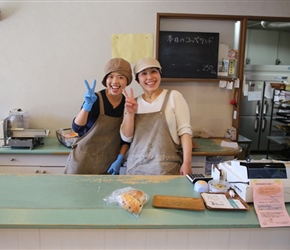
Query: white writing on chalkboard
209, 68
188, 54
197, 39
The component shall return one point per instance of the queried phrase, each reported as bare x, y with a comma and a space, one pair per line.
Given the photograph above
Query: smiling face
116, 82
149, 79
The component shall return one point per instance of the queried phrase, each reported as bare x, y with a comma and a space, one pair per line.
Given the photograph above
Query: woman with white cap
157, 124
99, 148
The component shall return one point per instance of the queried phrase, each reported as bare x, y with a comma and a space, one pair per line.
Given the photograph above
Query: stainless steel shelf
282, 140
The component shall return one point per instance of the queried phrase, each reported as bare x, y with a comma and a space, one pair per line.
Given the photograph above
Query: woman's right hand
130, 104
90, 96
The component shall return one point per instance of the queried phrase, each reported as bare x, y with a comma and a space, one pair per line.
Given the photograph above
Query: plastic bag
130, 199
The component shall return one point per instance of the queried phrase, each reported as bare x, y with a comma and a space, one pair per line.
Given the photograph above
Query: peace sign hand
130, 104
90, 96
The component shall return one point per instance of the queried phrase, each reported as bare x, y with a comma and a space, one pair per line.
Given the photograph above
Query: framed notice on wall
188, 54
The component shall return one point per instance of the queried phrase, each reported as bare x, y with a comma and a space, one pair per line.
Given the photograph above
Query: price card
221, 201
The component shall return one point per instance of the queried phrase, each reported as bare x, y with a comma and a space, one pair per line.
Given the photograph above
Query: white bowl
218, 186
201, 186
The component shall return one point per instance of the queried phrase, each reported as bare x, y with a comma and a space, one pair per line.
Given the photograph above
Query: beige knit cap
121, 66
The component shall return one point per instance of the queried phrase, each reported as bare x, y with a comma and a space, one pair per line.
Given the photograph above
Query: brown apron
152, 151
94, 152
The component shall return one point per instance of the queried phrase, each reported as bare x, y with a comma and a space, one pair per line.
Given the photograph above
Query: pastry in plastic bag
139, 195
130, 199
130, 203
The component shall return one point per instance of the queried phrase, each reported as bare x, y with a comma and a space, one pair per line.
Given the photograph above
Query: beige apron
94, 152
152, 151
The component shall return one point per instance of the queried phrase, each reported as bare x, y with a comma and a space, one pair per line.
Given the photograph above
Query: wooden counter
68, 212
50, 158
212, 147
76, 201
51, 146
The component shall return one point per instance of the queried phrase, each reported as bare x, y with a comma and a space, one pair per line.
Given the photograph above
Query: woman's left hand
130, 105
185, 169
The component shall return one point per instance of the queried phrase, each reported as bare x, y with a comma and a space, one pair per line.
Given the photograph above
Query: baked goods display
70, 135
66, 136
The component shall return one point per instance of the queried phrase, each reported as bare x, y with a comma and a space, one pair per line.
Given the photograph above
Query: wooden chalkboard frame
188, 54
241, 50
198, 17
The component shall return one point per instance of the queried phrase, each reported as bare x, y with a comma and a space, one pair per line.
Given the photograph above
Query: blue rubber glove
90, 96
116, 165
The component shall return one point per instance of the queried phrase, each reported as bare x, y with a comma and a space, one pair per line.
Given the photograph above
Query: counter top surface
50, 146
205, 147
76, 201
212, 147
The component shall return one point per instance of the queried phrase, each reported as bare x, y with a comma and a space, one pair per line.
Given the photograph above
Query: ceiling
268, 25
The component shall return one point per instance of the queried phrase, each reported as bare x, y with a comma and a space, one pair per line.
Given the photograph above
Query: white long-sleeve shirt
176, 113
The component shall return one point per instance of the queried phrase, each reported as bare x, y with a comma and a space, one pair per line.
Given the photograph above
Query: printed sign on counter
269, 203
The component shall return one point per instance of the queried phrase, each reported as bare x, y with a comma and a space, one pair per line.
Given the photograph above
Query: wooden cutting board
178, 202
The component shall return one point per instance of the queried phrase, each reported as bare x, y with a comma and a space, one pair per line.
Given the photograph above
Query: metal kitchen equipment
14, 131
241, 174
256, 104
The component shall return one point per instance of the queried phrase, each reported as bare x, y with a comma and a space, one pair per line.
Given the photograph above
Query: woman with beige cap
99, 148
157, 124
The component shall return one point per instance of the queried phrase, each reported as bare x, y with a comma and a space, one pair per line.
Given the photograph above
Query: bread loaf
139, 195
130, 203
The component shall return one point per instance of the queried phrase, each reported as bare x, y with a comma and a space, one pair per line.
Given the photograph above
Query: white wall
157, 239
47, 49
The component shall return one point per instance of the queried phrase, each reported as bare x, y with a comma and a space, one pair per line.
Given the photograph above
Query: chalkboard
188, 54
